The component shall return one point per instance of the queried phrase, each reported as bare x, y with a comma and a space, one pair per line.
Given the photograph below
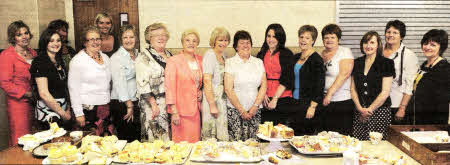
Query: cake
279, 131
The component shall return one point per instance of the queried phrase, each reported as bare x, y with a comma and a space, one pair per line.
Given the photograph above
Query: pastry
273, 160
283, 154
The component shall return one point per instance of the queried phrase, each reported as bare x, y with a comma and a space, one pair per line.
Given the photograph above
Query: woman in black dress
432, 84
371, 84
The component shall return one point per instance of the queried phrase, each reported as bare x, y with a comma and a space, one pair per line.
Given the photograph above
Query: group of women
109, 87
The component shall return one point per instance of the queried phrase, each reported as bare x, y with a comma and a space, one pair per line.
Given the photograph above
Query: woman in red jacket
15, 79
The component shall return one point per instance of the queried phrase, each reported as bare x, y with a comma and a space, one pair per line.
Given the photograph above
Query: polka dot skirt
378, 122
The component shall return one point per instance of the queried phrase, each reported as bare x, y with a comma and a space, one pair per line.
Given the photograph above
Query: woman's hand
28, 94
272, 104
310, 112
155, 111
129, 115
266, 101
400, 113
365, 113
252, 111
81, 121
175, 119
214, 111
326, 100
66, 115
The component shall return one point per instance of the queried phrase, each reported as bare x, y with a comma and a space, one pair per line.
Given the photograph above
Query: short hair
13, 28
436, 35
87, 30
125, 28
58, 24
241, 35
44, 39
280, 35
366, 39
152, 27
308, 28
104, 15
216, 33
332, 29
397, 24
188, 32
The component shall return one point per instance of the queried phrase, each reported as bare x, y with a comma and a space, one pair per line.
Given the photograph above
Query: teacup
375, 137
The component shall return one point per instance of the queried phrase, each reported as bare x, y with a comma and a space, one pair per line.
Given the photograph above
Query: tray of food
211, 151
30, 141
325, 143
62, 153
100, 150
281, 157
158, 152
279, 132
428, 136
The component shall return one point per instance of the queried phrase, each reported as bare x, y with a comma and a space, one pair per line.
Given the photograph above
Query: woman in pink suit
15, 62
183, 77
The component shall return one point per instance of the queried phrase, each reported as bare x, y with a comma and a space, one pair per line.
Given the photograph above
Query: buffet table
15, 155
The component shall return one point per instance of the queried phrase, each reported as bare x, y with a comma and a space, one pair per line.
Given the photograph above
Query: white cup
375, 137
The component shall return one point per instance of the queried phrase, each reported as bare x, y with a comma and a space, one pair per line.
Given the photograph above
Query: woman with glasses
49, 78
89, 84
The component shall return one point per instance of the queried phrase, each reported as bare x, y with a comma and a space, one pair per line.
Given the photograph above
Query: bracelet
256, 105
402, 105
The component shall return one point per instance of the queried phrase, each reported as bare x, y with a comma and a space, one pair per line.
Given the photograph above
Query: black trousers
129, 131
281, 114
302, 125
338, 117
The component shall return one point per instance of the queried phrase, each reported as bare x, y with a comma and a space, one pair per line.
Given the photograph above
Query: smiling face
271, 41
190, 43
93, 43
128, 40
392, 36
370, 48
431, 49
104, 25
221, 43
62, 33
158, 39
330, 41
244, 48
22, 37
305, 41
54, 45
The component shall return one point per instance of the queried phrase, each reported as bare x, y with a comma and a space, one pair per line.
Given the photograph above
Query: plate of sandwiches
269, 132
325, 143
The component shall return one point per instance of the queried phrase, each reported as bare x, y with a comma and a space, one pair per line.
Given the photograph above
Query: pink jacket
180, 85
14, 73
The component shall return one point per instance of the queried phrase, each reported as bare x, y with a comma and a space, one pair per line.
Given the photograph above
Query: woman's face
158, 39
370, 48
128, 40
94, 42
392, 36
244, 47
431, 49
221, 43
305, 41
330, 41
22, 37
104, 24
62, 33
55, 44
190, 43
271, 40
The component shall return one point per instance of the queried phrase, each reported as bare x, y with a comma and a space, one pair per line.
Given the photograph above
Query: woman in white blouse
214, 112
245, 86
124, 105
406, 66
338, 105
89, 84
150, 67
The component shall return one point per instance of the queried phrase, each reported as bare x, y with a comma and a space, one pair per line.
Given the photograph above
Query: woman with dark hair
276, 59
337, 103
110, 42
61, 27
406, 66
15, 61
49, 78
124, 103
89, 84
371, 84
244, 74
432, 84
309, 81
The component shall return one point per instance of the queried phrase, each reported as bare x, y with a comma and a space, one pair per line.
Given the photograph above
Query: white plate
358, 148
80, 157
271, 139
59, 133
293, 160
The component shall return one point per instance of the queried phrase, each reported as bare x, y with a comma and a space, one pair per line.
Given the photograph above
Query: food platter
325, 144
261, 136
42, 150
46, 161
226, 152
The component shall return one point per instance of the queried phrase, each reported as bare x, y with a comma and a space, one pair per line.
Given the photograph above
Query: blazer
180, 85
312, 77
14, 73
286, 56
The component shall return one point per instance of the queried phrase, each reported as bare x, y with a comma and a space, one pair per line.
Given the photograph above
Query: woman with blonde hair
150, 78
183, 77
110, 42
214, 116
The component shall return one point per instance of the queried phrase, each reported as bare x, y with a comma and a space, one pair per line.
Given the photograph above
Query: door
84, 12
